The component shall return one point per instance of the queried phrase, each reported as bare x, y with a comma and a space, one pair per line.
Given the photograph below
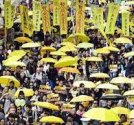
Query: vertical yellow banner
112, 17
80, 16
30, 28
7, 13
56, 14
36, 15
63, 17
125, 23
24, 18
12, 15
45, 13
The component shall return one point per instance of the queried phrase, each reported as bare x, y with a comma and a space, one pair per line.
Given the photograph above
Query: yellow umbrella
15, 64
101, 114
120, 110
87, 84
47, 48
94, 59
129, 93
111, 48
67, 49
85, 45
131, 115
66, 61
129, 2
5, 80
69, 70
48, 60
58, 53
102, 51
123, 40
119, 80
51, 119
23, 39
82, 98
68, 44
79, 37
107, 86
99, 75
20, 53
31, 45
46, 105
27, 92
129, 54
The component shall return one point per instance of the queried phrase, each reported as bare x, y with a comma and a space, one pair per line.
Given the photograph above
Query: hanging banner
56, 12
36, 15
30, 28
12, 15
45, 14
112, 17
7, 13
80, 16
125, 23
63, 17
24, 18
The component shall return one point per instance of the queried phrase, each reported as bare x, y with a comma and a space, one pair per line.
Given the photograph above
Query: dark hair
81, 84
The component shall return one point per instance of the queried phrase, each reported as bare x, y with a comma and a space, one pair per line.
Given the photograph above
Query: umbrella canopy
99, 75
107, 86
111, 48
67, 49
102, 51
82, 98
46, 105
20, 53
103, 114
119, 80
66, 61
94, 59
58, 53
85, 45
15, 64
129, 93
131, 115
23, 39
48, 60
112, 97
123, 40
79, 37
48, 48
87, 84
51, 119
129, 54
27, 92
121, 110
68, 44
31, 45
5, 80
69, 70
129, 2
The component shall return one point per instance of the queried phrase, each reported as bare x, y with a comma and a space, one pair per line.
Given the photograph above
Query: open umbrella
69, 70
107, 86
23, 39
94, 59
67, 49
85, 45
15, 64
102, 51
120, 110
31, 45
48, 60
58, 53
123, 40
129, 54
121, 80
87, 84
51, 119
131, 115
46, 105
66, 61
27, 92
5, 80
101, 114
48, 48
99, 75
79, 37
111, 48
82, 98
129, 93
68, 44
20, 53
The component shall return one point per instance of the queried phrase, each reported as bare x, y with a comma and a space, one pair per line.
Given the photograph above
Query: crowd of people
50, 85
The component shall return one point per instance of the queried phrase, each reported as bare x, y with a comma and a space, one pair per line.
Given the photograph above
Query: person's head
82, 86
109, 103
36, 92
31, 60
95, 104
11, 118
123, 118
21, 95
6, 89
81, 107
38, 70
28, 107
11, 84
